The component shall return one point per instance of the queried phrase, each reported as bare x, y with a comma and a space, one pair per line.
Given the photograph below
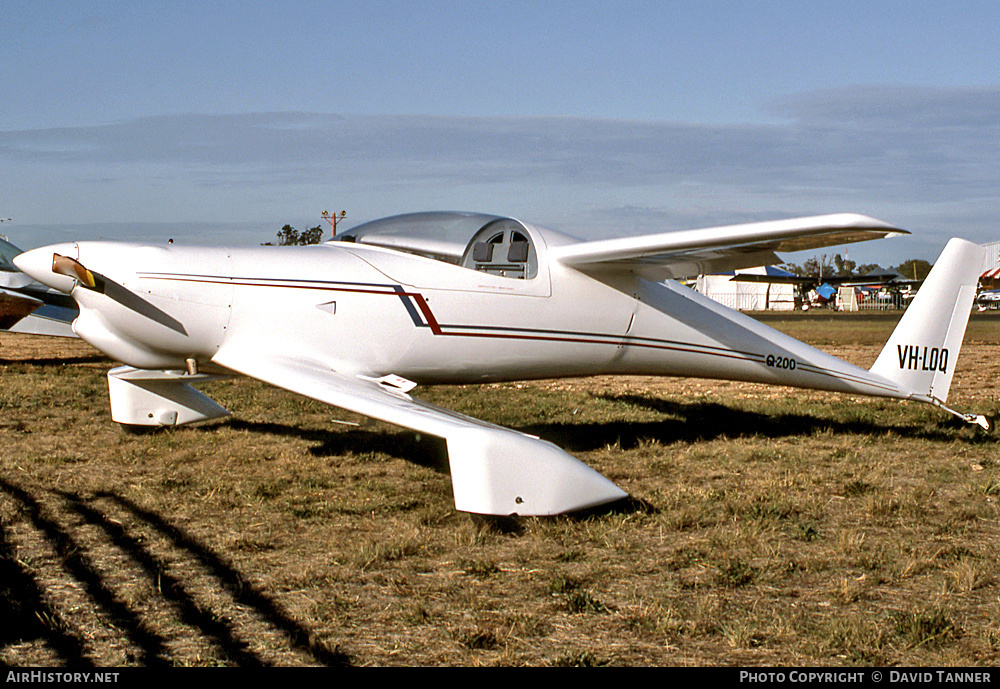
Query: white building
749, 296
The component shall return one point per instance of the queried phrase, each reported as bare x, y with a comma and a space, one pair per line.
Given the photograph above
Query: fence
742, 301
847, 300
850, 300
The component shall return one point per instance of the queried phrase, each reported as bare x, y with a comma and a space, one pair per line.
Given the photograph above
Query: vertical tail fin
921, 353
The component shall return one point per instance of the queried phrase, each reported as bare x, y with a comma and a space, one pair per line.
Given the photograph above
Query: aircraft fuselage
372, 311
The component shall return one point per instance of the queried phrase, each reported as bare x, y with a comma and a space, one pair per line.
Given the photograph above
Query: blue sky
222, 121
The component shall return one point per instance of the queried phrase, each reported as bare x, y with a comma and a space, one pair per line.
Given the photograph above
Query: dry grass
771, 527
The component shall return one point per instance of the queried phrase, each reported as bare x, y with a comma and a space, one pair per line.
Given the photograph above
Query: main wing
684, 254
15, 306
494, 470
37, 312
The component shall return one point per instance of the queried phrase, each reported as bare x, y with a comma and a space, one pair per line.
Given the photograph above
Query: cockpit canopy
499, 246
502, 247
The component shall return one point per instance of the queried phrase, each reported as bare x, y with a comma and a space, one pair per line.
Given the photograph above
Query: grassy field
769, 526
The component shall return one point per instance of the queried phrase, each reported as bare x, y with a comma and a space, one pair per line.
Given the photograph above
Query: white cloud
924, 159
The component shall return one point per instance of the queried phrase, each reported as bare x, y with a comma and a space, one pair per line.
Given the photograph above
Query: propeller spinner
52, 267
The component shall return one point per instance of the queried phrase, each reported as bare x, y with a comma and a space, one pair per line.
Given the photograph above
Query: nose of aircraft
37, 263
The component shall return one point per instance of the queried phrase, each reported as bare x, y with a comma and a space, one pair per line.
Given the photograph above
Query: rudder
922, 351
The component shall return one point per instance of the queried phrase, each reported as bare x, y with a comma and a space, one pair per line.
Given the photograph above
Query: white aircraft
359, 322
28, 307
988, 299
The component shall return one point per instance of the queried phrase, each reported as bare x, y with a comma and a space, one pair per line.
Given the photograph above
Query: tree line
824, 267
289, 236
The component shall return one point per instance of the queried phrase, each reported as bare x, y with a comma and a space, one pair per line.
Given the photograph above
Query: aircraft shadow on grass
682, 422
693, 421
45, 362
29, 617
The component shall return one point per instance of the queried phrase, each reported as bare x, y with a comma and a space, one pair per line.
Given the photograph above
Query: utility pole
334, 219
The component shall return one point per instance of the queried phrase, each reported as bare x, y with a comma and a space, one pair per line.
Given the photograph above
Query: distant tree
816, 267
314, 235
913, 269
289, 236
843, 266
